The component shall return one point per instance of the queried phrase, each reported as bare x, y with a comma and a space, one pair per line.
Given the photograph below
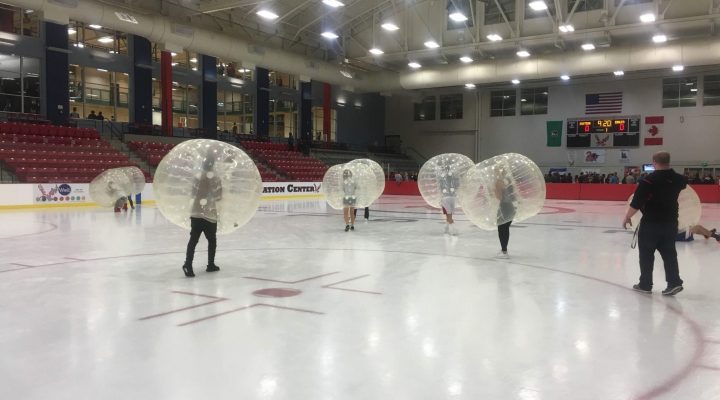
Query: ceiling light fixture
494, 37
193, 60
619, 73
678, 68
588, 46
414, 65
470, 86
565, 77
267, 14
647, 18
389, 26
466, 59
659, 38
102, 70
431, 44
567, 28
71, 31
538, 5
523, 53
94, 26
333, 3
515, 81
376, 51
329, 35
106, 39
458, 17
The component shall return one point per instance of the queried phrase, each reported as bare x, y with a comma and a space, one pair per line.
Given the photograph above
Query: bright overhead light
466, 59
93, 26
494, 37
173, 54
80, 45
678, 68
112, 51
376, 51
193, 60
194, 68
330, 35
647, 18
102, 70
523, 100
588, 46
173, 64
470, 86
389, 26
619, 73
106, 39
659, 38
333, 3
267, 14
414, 65
71, 31
431, 44
565, 77
693, 90
458, 17
538, 5
523, 53
566, 28
515, 81
346, 74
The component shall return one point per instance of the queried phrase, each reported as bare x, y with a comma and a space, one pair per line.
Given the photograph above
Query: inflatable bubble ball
136, 177
349, 185
440, 177
379, 186
689, 210
207, 179
109, 186
504, 188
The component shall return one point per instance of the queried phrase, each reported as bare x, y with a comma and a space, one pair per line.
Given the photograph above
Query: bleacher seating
55, 154
296, 166
333, 157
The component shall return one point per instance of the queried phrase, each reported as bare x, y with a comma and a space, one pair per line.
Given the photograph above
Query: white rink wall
22, 195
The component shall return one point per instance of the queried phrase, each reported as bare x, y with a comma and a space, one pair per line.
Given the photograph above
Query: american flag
604, 103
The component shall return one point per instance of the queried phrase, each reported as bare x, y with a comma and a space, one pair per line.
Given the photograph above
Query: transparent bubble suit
136, 177
207, 179
508, 187
109, 186
350, 184
379, 186
440, 177
689, 209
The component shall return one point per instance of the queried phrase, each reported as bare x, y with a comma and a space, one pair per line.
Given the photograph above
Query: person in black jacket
657, 197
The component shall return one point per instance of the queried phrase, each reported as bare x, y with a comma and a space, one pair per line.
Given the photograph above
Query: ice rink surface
94, 305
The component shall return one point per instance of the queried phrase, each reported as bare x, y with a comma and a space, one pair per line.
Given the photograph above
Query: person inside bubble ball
505, 193
121, 202
449, 183
349, 199
207, 191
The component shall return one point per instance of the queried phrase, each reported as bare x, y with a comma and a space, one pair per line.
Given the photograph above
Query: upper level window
502, 103
534, 101
494, 15
425, 110
680, 92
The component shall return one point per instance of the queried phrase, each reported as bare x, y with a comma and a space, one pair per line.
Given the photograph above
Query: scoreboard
604, 132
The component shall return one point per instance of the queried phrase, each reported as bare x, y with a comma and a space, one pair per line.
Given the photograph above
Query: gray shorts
349, 201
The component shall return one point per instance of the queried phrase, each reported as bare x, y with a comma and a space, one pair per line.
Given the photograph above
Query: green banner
554, 133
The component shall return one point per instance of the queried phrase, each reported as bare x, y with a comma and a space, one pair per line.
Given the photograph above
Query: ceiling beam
227, 5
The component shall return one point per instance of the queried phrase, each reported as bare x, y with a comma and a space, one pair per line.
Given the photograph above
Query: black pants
199, 226
367, 212
658, 236
504, 235
132, 205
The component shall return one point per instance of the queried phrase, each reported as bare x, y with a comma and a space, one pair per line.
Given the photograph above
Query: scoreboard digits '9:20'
603, 132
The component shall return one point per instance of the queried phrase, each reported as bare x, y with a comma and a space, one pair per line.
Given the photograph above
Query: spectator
291, 142
398, 178
100, 117
92, 115
614, 179
708, 180
74, 113
630, 179
234, 128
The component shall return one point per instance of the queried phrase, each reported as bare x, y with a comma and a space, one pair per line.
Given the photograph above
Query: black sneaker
188, 270
640, 289
352, 227
347, 228
212, 268
672, 291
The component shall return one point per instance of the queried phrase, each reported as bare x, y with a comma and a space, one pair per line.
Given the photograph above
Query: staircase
7, 176
118, 145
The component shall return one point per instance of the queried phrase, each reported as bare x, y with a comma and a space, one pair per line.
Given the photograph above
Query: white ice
94, 305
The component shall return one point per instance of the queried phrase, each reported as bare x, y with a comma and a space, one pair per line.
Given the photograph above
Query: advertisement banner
59, 193
595, 156
291, 189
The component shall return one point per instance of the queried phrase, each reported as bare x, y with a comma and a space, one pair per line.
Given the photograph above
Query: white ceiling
300, 23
